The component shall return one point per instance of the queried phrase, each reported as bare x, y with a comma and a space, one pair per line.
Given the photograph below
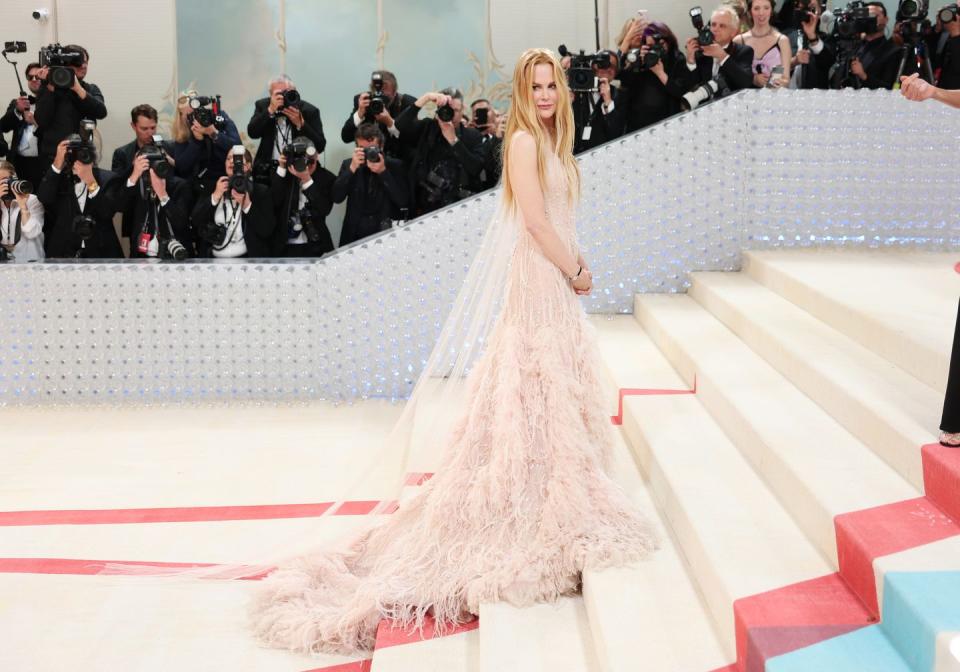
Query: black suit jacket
319, 201
122, 166
10, 122
371, 199
398, 148
880, 59
737, 71
259, 225
816, 73
264, 127
56, 194
603, 127
173, 217
59, 112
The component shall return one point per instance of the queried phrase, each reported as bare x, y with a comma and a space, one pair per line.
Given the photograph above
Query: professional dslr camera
157, 157
241, 181
704, 34
378, 99
300, 152
802, 12
853, 20
655, 54
291, 98
580, 75
80, 146
16, 188
206, 112
59, 60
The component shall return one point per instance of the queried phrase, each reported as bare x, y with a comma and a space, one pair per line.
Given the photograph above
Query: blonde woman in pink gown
521, 503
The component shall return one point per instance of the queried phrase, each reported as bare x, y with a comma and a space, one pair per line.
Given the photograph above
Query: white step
540, 638
816, 467
900, 305
451, 653
878, 402
736, 538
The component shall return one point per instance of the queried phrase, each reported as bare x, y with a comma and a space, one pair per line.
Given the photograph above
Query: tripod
582, 113
915, 48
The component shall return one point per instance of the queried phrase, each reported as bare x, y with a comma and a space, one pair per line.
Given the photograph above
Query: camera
854, 19
40, 15
241, 181
300, 152
307, 224
704, 34
206, 112
378, 99
291, 98
16, 188
802, 12
80, 146
157, 158
173, 249
700, 96
580, 75
912, 10
655, 54
445, 112
60, 63
948, 13
84, 226
14, 47
481, 116
371, 154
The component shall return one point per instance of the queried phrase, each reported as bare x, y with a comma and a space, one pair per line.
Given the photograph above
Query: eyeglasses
34, 78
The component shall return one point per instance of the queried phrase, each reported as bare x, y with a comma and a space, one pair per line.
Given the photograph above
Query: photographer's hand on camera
856, 67
140, 166
692, 46
633, 35
363, 104
60, 159
294, 115
357, 159
714, 51
377, 167
220, 189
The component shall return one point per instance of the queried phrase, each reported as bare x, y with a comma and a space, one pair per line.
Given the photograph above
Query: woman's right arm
525, 181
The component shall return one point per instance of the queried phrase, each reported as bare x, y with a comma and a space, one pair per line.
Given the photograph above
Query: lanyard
232, 220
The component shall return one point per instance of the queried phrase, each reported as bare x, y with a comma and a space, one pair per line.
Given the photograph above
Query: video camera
300, 152
948, 13
580, 76
60, 63
853, 20
81, 146
206, 111
704, 34
912, 17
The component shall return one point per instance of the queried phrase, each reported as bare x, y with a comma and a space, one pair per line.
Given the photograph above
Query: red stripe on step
640, 392
356, 666
190, 514
941, 477
783, 620
418, 478
865, 535
389, 634
78, 567
957, 267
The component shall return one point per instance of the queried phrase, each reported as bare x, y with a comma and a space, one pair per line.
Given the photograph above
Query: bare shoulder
523, 141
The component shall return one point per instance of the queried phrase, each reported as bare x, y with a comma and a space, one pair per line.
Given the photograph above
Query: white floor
735, 500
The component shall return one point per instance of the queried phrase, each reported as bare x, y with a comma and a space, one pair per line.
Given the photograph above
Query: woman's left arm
786, 57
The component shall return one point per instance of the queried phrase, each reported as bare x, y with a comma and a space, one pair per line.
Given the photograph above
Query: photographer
446, 156
946, 54
877, 60
79, 201
721, 60
24, 150
374, 186
60, 108
277, 119
237, 219
653, 79
381, 105
301, 193
21, 218
202, 137
486, 121
596, 115
814, 53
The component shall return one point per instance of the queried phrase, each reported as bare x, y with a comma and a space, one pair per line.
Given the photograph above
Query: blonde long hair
523, 116
180, 130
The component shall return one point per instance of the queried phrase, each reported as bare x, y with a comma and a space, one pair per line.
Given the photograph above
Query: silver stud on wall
758, 170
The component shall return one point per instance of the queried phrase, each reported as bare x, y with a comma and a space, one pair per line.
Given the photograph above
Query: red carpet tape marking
638, 392
957, 267
357, 666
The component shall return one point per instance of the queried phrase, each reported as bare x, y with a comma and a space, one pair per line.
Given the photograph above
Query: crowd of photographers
201, 193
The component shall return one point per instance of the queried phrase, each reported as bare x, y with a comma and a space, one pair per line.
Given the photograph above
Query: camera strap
11, 235
284, 133
233, 221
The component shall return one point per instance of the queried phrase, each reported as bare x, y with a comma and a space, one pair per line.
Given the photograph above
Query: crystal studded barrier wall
763, 169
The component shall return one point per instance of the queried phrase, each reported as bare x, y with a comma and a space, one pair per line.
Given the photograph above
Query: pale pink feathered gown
521, 503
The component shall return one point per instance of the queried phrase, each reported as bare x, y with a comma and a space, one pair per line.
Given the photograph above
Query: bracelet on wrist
579, 271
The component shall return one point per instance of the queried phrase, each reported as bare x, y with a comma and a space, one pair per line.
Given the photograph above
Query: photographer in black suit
723, 61
813, 51
491, 125
79, 200
60, 109
382, 105
24, 150
300, 189
374, 186
877, 60
653, 79
237, 222
447, 156
279, 118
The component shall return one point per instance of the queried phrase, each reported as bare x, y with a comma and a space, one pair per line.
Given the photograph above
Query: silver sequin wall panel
759, 170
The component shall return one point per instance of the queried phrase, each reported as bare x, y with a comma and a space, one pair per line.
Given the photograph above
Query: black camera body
913, 10
481, 116
948, 13
60, 63
378, 99
206, 112
16, 188
80, 146
372, 154
300, 152
241, 181
853, 20
802, 12
580, 75
704, 34
157, 159
291, 98
84, 226
446, 113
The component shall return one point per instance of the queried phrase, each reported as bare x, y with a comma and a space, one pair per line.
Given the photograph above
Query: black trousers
951, 402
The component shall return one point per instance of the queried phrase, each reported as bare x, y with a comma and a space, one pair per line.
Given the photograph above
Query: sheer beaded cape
521, 502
